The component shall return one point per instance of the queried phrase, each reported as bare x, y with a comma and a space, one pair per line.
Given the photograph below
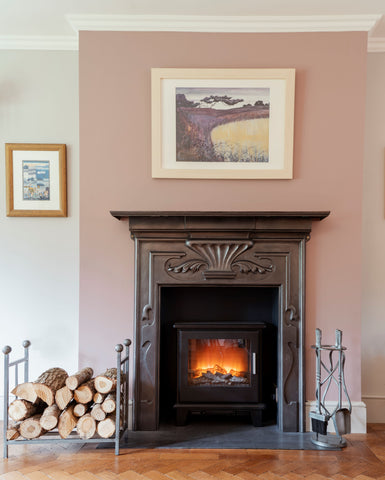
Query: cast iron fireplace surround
220, 249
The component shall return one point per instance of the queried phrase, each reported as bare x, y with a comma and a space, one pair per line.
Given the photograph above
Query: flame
217, 355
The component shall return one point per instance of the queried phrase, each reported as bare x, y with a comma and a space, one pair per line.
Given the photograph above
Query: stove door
219, 366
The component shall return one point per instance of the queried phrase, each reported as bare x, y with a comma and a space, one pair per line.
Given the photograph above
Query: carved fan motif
219, 260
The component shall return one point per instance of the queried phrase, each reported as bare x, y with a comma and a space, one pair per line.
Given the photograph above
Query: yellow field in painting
243, 141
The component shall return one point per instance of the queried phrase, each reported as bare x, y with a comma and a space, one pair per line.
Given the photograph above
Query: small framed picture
222, 123
36, 180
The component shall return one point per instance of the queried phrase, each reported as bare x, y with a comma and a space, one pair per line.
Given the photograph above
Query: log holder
121, 423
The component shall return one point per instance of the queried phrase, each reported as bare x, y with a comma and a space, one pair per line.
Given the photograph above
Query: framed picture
36, 180
222, 123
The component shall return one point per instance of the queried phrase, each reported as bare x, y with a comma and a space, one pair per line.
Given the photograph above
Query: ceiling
50, 18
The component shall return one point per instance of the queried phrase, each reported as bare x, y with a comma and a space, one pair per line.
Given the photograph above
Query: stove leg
256, 418
181, 416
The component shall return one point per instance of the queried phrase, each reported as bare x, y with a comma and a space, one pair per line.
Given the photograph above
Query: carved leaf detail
146, 347
291, 316
248, 266
293, 355
190, 265
147, 314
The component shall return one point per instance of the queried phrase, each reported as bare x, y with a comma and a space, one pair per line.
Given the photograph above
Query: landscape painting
222, 124
36, 180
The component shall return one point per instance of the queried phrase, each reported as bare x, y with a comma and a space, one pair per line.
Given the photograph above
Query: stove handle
254, 360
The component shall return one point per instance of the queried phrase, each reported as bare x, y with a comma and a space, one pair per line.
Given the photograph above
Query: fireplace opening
218, 352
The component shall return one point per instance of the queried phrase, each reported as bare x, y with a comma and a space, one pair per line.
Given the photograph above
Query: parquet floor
363, 459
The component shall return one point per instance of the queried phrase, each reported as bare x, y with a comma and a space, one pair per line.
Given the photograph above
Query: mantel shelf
312, 215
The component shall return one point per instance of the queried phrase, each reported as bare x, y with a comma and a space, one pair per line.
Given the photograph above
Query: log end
45, 393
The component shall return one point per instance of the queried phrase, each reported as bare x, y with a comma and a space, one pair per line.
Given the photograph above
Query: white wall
373, 297
39, 257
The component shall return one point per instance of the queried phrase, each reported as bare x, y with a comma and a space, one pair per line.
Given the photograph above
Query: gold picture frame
36, 180
222, 123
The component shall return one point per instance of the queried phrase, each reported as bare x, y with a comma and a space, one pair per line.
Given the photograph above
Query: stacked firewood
57, 400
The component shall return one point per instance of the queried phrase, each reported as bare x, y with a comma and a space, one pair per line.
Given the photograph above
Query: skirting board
358, 413
358, 418
375, 405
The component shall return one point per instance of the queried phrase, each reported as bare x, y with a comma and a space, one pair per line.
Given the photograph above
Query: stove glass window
219, 362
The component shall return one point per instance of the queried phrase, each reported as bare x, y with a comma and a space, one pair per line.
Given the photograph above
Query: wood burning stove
219, 367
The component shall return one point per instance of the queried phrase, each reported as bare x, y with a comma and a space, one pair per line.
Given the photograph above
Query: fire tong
333, 373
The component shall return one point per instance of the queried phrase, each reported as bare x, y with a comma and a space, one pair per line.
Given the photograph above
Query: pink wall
115, 163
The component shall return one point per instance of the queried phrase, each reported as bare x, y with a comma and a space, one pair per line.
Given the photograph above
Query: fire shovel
342, 416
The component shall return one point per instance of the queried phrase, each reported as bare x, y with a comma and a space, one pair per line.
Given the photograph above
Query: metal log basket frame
121, 422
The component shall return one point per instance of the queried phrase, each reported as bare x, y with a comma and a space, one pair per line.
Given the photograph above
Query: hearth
193, 267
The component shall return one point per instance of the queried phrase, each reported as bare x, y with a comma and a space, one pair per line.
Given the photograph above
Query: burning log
239, 380
217, 368
208, 378
235, 373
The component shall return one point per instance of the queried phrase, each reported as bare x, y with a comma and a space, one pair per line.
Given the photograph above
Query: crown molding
41, 42
196, 23
200, 23
376, 45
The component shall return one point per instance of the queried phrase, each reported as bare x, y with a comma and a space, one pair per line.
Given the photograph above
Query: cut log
13, 431
81, 409
97, 412
50, 417
109, 404
31, 428
79, 377
99, 397
106, 382
106, 428
22, 409
86, 426
25, 391
63, 397
85, 392
49, 383
67, 422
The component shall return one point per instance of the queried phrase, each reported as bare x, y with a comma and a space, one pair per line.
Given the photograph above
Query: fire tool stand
334, 372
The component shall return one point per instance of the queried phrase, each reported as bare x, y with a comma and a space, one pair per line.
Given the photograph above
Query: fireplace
230, 278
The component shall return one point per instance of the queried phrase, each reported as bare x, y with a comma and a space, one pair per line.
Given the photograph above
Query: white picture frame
222, 123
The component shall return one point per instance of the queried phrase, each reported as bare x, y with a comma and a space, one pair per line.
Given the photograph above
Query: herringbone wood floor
363, 459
